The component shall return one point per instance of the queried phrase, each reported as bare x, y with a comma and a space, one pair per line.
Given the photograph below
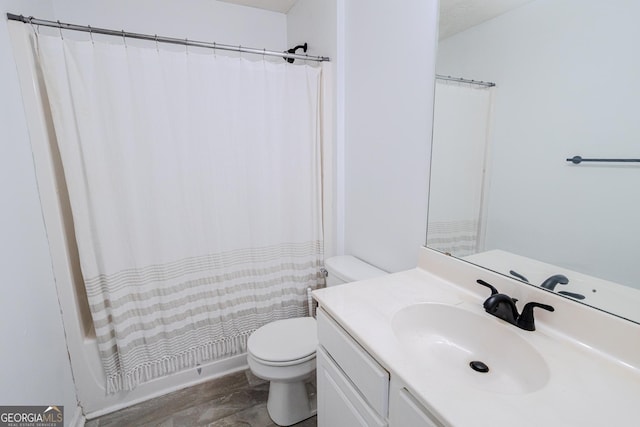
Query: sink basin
445, 339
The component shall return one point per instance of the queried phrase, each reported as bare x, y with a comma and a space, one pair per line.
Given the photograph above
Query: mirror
503, 194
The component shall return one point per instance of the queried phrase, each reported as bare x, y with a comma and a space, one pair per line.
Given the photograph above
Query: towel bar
577, 160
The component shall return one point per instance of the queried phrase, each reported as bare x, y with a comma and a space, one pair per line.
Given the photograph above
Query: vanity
398, 351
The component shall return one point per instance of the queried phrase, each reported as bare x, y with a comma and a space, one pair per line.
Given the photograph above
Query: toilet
284, 352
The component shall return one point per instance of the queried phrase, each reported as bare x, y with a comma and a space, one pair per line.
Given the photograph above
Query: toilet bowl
284, 352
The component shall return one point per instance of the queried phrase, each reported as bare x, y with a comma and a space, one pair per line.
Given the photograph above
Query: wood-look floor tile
238, 399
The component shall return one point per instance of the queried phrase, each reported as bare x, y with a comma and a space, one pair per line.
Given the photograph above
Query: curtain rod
160, 39
461, 80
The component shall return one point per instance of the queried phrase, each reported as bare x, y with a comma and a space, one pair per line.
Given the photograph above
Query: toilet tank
347, 268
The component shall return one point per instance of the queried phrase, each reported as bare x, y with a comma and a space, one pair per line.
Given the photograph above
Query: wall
383, 108
34, 365
389, 72
205, 20
567, 85
316, 23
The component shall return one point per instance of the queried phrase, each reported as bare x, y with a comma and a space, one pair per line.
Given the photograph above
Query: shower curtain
196, 195
462, 114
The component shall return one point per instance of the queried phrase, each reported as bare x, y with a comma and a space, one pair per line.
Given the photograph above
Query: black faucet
504, 307
552, 281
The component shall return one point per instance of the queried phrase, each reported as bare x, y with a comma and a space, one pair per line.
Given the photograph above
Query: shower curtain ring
37, 28
186, 45
91, 35
33, 27
60, 29
124, 39
157, 48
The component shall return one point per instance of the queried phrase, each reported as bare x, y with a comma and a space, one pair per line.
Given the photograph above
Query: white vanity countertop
586, 387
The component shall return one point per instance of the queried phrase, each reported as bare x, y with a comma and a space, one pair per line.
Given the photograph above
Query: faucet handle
526, 320
552, 281
494, 291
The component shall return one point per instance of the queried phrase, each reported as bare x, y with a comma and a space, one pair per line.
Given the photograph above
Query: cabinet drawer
371, 379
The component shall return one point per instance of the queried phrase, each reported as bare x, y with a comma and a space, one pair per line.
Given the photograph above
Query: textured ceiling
455, 15
459, 15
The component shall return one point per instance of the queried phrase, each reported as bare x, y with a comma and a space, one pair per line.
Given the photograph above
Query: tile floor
238, 399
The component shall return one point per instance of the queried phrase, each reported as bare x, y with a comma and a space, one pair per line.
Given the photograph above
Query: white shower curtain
462, 114
196, 193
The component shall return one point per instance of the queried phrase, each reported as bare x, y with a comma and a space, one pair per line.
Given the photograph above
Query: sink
445, 339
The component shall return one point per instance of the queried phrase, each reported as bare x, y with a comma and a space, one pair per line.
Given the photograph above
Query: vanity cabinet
355, 390
405, 410
339, 403
391, 347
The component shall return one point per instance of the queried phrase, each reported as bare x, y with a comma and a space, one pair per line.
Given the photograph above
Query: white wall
389, 63
568, 85
387, 127
204, 20
314, 22
34, 366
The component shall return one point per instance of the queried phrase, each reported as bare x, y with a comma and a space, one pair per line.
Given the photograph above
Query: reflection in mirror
502, 193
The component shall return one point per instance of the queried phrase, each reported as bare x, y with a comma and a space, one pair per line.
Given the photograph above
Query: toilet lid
284, 340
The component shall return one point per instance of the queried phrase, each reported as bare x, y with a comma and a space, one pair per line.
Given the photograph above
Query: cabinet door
364, 372
339, 403
406, 411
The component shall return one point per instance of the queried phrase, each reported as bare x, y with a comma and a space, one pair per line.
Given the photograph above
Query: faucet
552, 281
504, 307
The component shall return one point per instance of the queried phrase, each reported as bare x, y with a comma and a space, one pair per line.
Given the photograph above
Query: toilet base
288, 403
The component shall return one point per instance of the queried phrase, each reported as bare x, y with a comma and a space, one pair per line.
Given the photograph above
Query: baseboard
78, 418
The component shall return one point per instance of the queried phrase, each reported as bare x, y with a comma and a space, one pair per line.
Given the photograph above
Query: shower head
293, 50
